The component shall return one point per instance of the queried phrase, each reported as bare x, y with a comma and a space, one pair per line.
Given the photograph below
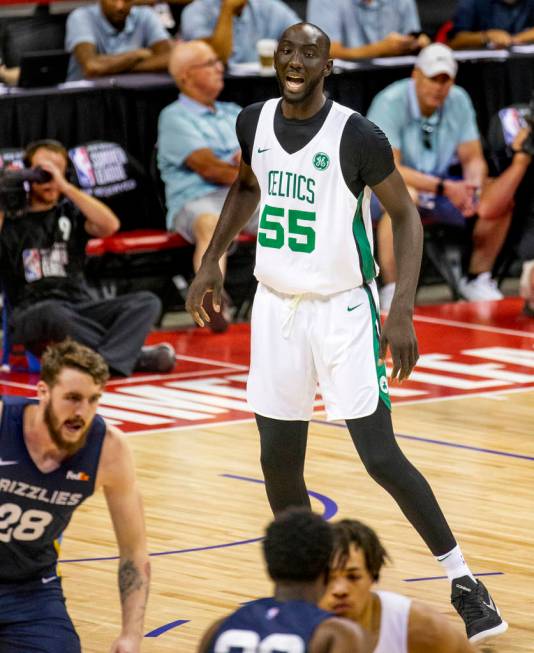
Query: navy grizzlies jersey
269, 626
35, 507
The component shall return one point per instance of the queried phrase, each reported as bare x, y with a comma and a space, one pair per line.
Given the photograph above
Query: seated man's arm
430, 632
196, 24
526, 36
117, 476
206, 164
99, 65
158, 60
474, 166
467, 29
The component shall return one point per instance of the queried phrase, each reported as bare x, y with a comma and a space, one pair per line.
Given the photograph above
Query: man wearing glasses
198, 152
431, 124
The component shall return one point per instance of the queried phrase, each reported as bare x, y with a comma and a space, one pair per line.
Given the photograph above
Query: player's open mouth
73, 425
294, 82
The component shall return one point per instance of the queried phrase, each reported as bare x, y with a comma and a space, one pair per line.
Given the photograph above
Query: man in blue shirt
431, 124
114, 37
492, 23
233, 27
369, 28
198, 150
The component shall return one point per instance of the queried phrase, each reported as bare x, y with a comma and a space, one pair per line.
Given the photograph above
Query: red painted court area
466, 348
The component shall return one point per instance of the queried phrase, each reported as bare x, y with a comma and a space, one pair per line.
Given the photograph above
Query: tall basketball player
54, 452
311, 163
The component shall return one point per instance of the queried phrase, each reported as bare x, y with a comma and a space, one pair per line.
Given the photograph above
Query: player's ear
43, 391
328, 67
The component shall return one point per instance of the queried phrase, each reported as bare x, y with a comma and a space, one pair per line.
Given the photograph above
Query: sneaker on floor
481, 288
385, 295
473, 603
156, 358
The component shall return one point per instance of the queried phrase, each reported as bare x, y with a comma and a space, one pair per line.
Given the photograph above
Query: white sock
454, 564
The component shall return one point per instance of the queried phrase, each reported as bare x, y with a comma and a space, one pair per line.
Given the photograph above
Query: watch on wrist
440, 188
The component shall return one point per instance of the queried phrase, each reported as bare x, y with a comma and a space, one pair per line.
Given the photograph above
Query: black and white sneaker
473, 603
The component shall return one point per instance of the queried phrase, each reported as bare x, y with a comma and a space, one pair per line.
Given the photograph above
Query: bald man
198, 151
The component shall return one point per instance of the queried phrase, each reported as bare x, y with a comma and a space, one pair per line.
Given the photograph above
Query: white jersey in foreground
393, 636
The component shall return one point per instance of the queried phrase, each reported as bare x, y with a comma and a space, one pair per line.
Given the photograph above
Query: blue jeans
34, 619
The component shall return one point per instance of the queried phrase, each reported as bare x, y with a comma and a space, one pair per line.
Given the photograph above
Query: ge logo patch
384, 385
321, 161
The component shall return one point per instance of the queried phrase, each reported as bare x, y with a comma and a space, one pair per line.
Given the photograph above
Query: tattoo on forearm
130, 579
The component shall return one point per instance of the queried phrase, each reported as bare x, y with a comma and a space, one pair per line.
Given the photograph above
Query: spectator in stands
113, 37
369, 28
499, 197
431, 123
42, 256
233, 27
198, 151
492, 24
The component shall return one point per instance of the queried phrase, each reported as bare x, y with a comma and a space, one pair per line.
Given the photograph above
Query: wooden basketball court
465, 418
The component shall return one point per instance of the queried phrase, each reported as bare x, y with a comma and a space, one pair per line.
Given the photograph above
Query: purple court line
417, 580
442, 443
330, 509
163, 629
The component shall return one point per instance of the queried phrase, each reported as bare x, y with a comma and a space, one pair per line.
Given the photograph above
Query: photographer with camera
42, 254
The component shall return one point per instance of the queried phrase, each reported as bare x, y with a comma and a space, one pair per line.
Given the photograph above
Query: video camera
14, 189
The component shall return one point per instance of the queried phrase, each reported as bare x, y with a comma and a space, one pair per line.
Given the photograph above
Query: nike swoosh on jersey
351, 308
44, 581
263, 149
3, 463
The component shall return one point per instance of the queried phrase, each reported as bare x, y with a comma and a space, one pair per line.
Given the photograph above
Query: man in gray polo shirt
113, 37
431, 123
198, 152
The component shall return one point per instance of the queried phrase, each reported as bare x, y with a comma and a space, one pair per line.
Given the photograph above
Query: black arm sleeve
365, 154
247, 121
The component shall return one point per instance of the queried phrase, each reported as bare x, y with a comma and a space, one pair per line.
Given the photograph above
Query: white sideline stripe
167, 377
211, 361
470, 325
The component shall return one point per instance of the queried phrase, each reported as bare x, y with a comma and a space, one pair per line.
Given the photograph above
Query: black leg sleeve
283, 450
375, 442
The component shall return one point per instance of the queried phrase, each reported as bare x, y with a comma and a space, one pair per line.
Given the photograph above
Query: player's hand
208, 279
498, 38
126, 644
398, 334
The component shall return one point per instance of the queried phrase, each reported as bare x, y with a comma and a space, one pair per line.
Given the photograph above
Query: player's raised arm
240, 203
117, 475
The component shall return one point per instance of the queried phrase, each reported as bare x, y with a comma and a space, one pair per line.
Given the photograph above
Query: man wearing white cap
431, 123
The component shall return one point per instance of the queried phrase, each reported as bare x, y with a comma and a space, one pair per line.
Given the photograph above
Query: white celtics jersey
314, 235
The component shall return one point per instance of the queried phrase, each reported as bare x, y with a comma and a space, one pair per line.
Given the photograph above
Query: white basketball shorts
299, 341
